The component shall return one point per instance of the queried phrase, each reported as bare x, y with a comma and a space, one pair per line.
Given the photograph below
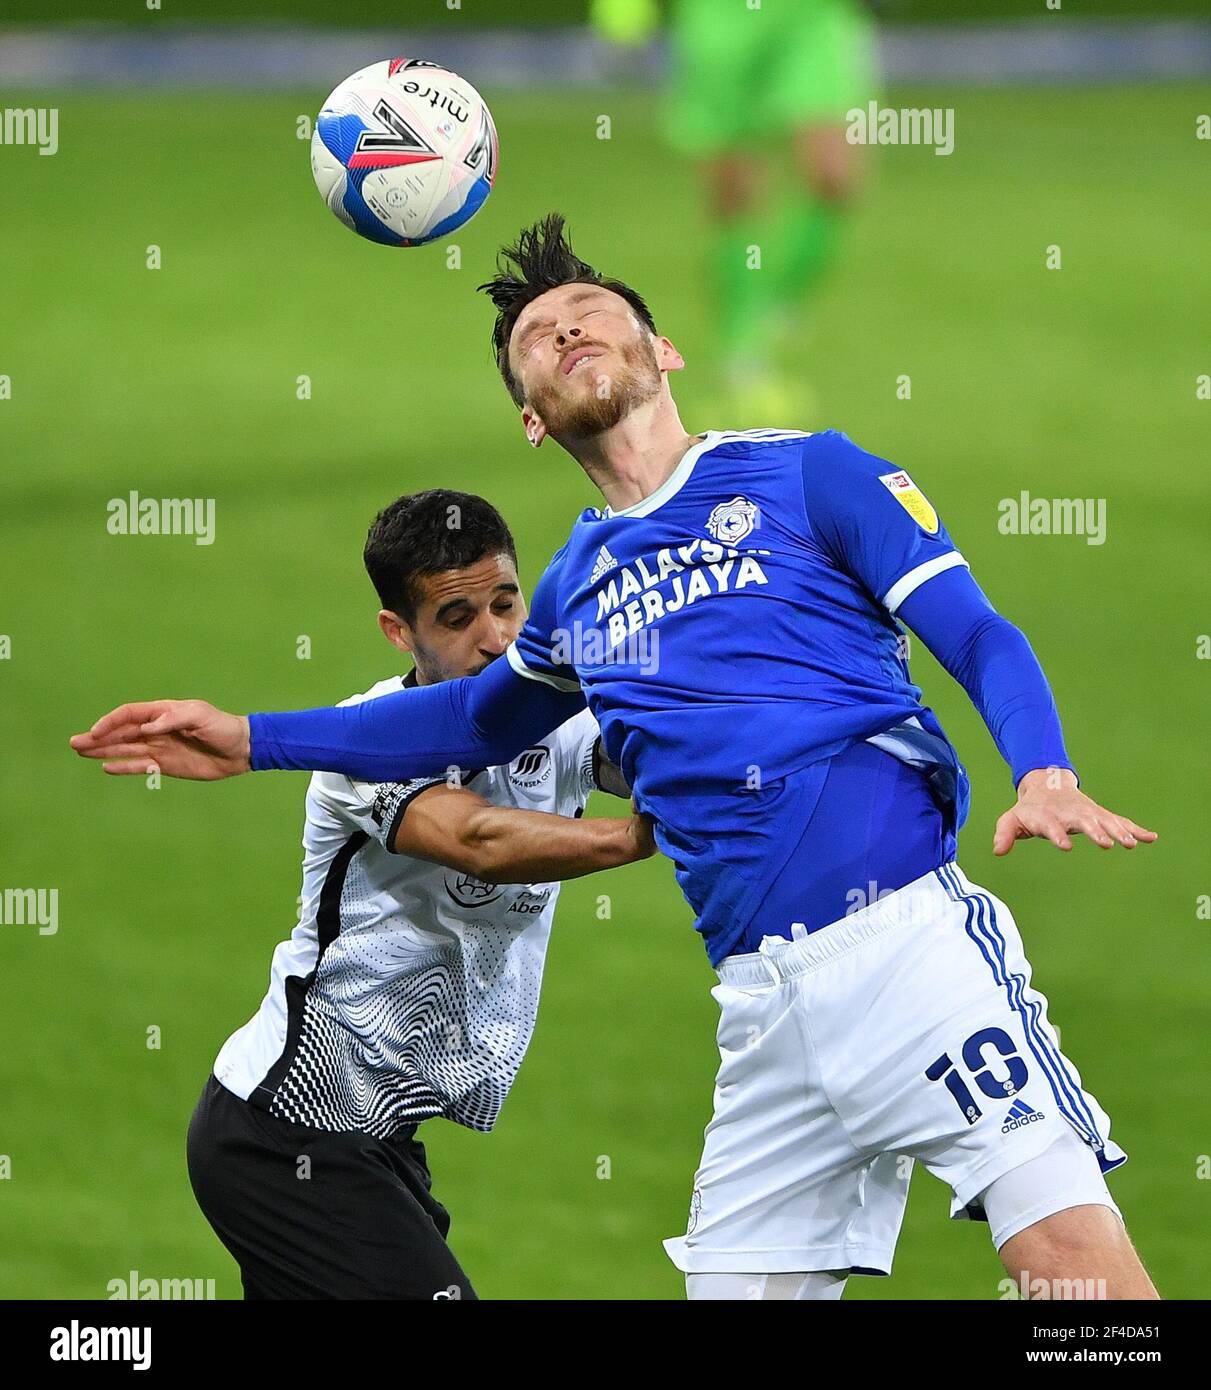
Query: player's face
464, 621
583, 360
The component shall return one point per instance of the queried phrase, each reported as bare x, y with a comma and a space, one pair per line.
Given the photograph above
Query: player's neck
633, 459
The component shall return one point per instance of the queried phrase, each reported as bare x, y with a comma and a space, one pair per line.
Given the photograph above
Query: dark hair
543, 259
425, 533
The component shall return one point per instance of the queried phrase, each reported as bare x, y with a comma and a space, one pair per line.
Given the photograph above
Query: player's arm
873, 521
499, 844
994, 663
478, 721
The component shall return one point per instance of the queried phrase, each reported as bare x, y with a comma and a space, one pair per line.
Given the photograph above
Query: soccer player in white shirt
409, 988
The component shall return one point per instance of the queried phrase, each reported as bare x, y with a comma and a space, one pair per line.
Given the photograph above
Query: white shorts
907, 1030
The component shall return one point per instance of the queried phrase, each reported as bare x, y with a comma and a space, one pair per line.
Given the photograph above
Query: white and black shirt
407, 989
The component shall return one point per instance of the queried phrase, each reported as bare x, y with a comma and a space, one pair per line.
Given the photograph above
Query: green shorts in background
741, 72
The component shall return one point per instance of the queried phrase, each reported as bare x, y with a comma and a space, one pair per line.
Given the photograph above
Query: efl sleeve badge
912, 499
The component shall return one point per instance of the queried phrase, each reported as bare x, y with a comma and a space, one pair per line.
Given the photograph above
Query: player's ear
395, 630
667, 357
536, 431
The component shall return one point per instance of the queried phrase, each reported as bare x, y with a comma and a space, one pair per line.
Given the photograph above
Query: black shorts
308, 1213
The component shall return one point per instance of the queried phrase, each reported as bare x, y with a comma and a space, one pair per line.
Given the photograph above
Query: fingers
115, 749
1103, 827
1120, 831
122, 733
1057, 832
130, 767
179, 715
1046, 825
1095, 827
129, 716
1005, 834
1129, 834
1112, 829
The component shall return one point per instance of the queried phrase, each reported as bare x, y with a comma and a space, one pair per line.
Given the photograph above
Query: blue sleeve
478, 721
994, 663
872, 520
543, 651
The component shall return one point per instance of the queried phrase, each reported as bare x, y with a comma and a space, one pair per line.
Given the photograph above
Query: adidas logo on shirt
1020, 1114
605, 561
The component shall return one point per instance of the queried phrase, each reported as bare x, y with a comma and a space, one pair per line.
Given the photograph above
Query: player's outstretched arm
992, 660
479, 721
877, 524
500, 844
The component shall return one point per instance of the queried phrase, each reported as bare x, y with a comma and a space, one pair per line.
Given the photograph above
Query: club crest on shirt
732, 521
531, 768
912, 499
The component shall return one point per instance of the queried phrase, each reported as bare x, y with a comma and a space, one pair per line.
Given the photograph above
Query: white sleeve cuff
513, 656
913, 580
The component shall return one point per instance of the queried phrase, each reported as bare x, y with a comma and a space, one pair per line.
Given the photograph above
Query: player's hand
640, 832
1052, 807
183, 738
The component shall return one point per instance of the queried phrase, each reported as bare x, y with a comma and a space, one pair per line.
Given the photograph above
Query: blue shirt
736, 635
731, 633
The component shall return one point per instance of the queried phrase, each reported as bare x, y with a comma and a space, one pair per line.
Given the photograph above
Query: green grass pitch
181, 381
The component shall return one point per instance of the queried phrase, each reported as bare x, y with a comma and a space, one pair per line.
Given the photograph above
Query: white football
404, 151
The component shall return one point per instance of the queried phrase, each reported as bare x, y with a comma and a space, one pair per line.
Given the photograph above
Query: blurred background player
749, 80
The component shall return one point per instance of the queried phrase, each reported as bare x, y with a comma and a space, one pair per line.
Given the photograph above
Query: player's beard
608, 398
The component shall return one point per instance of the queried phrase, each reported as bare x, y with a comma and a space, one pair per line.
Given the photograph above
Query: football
404, 151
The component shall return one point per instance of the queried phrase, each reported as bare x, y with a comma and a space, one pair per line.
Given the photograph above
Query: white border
513, 657
907, 583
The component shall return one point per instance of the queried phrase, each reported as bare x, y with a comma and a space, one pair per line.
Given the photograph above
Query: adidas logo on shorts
1020, 1114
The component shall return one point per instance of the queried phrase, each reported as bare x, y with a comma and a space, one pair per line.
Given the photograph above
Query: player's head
445, 569
554, 312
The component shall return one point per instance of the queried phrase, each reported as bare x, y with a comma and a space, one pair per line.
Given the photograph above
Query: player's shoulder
757, 441
334, 787
389, 686
833, 452
815, 454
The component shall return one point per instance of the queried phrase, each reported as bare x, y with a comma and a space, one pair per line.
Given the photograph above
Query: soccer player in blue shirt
732, 616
